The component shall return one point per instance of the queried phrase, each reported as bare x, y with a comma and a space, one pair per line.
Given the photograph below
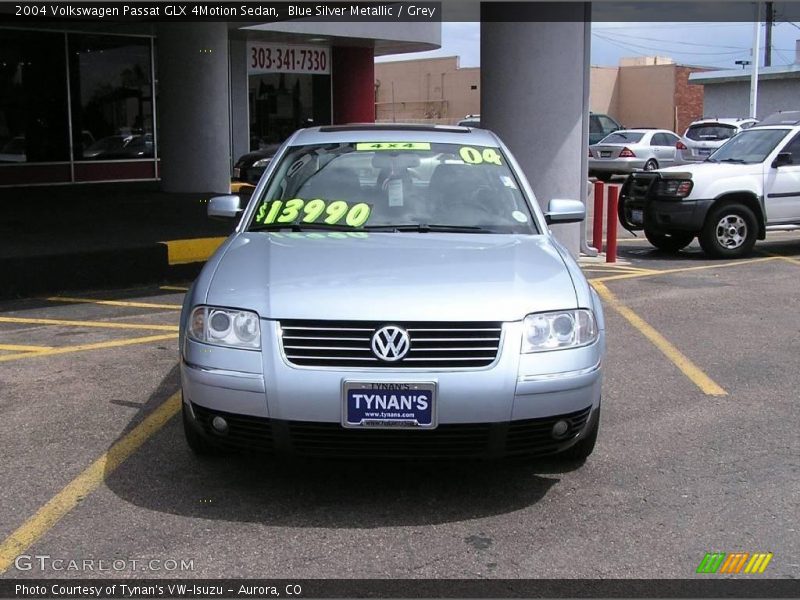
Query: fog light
560, 428
219, 424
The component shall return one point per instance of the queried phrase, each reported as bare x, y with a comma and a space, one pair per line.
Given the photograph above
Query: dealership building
83, 101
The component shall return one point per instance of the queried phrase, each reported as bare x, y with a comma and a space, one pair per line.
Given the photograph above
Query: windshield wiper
426, 228
303, 227
732, 160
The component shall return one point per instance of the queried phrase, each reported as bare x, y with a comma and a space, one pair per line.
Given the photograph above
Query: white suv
703, 137
749, 186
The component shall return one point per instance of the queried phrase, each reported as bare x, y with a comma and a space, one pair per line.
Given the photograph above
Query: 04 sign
287, 58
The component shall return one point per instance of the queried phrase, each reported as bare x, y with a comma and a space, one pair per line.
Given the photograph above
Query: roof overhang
734, 75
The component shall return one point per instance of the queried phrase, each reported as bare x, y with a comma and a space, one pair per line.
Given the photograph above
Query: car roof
394, 132
786, 117
722, 120
642, 130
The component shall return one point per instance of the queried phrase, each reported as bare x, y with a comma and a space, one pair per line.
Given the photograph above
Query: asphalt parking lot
698, 449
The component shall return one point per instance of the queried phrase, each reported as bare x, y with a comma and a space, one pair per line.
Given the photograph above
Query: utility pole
768, 35
754, 73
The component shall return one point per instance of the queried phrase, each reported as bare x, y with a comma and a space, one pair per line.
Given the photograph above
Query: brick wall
688, 98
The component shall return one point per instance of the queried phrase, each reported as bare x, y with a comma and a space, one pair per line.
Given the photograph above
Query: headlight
674, 188
263, 162
558, 330
225, 327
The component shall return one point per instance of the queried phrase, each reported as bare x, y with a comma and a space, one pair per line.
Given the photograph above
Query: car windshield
394, 186
622, 137
749, 146
715, 132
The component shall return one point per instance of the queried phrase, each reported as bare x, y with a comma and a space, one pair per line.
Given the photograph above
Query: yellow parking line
782, 257
113, 302
653, 273
89, 480
181, 252
20, 348
174, 288
101, 324
692, 371
84, 347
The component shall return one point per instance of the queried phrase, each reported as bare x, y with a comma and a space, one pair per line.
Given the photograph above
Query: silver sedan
368, 308
629, 150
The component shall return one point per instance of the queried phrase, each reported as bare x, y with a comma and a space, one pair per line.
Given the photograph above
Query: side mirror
224, 207
783, 158
565, 211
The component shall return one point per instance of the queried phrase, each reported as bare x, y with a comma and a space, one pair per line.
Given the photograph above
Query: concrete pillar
353, 85
194, 134
240, 117
535, 96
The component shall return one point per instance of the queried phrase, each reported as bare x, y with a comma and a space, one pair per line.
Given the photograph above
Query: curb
173, 260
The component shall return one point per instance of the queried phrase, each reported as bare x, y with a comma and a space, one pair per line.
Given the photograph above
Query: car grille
533, 436
244, 432
637, 187
530, 437
343, 344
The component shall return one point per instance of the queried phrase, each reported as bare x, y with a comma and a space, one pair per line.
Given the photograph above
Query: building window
33, 100
111, 89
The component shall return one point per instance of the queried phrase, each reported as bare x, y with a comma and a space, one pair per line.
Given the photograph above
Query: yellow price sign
473, 156
393, 146
317, 210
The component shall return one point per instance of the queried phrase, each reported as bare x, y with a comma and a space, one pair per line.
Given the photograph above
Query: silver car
703, 137
629, 150
368, 308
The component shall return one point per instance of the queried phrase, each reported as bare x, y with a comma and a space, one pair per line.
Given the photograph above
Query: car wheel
669, 242
651, 165
730, 231
196, 442
584, 448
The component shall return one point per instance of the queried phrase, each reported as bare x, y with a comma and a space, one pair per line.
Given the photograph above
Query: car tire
584, 448
651, 165
669, 242
730, 231
196, 442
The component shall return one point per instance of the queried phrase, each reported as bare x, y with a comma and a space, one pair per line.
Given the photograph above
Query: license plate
637, 217
387, 405
704, 152
606, 154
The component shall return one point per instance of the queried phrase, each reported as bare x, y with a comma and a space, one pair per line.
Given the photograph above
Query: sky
703, 44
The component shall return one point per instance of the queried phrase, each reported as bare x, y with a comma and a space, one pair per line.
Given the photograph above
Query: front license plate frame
357, 417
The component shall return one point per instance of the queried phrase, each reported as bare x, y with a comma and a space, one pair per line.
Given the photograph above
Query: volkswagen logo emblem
390, 343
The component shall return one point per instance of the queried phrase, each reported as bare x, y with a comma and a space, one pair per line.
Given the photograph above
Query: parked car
600, 126
703, 137
470, 121
121, 147
414, 317
629, 150
249, 167
747, 188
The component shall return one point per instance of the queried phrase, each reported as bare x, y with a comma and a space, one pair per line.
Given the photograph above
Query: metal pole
597, 219
754, 72
611, 224
768, 35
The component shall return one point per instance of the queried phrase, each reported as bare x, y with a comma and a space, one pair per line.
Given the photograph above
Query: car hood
391, 276
709, 169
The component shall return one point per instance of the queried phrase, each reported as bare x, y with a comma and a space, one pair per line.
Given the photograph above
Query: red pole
597, 225
611, 224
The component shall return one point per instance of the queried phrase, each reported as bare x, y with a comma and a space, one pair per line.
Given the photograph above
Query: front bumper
667, 216
498, 410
